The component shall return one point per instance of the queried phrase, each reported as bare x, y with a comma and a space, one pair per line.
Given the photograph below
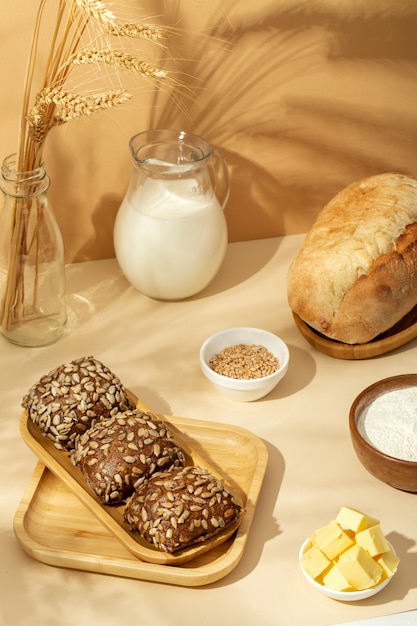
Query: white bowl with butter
348, 559
344, 596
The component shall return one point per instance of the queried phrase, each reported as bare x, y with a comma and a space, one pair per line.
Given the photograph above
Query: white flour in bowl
389, 423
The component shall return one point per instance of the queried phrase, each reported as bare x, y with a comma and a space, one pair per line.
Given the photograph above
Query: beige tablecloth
312, 468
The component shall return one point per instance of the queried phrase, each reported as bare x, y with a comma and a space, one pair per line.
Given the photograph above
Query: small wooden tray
395, 337
57, 524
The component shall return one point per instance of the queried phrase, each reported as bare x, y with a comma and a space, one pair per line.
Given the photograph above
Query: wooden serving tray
400, 334
59, 520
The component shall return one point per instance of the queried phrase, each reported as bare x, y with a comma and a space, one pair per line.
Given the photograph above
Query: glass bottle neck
22, 184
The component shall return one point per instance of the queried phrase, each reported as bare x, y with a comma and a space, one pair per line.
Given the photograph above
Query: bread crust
119, 453
181, 507
72, 397
355, 276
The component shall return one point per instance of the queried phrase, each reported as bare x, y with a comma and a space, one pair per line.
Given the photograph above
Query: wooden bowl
396, 472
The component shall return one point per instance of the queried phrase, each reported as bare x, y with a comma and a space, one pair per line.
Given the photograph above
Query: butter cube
315, 533
389, 562
373, 540
359, 568
334, 579
314, 561
332, 540
354, 520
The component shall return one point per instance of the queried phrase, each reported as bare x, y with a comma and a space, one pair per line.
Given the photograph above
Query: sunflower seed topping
117, 446
78, 393
175, 516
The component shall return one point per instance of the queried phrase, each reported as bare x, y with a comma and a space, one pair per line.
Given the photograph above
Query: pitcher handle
220, 176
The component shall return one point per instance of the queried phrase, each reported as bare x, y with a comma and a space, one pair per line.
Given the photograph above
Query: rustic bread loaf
73, 397
179, 508
355, 276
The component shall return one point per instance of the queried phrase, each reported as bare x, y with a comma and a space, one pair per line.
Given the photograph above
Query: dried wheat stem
14, 293
21, 155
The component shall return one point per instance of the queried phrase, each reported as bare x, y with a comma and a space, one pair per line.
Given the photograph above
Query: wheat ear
96, 10
72, 105
120, 59
138, 31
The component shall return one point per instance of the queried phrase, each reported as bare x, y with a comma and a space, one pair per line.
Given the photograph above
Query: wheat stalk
52, 105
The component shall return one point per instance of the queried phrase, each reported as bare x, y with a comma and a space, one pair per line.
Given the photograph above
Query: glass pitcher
170, 234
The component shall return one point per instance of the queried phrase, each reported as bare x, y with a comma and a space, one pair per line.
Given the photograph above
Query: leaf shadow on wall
293, 99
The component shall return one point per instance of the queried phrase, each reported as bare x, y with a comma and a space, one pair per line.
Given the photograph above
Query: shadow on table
264, 526
404, 580
301, 371
237, 268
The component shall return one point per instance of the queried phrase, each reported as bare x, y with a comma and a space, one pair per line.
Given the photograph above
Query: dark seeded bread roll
120, 452
73, 397
355, 276
177, 509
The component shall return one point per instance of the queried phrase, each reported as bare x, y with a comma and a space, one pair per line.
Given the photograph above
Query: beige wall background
302, 97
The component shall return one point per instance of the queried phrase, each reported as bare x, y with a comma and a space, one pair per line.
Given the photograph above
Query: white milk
170, 238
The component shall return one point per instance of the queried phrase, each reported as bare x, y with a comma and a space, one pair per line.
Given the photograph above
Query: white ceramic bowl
239, 389
344, 596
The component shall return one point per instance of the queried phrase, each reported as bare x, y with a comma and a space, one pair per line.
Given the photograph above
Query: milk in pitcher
170, 237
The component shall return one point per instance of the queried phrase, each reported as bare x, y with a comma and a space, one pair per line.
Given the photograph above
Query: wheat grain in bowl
244, 363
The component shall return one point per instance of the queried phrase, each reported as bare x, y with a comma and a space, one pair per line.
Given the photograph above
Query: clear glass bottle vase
32, 265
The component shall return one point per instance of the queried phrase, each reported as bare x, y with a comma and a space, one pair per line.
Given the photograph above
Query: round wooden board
400, 334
